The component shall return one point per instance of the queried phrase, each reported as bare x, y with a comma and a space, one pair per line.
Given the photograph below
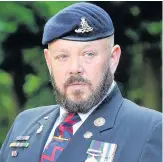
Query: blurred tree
24, 78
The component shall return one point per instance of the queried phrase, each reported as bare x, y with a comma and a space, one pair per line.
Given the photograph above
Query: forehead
67, 44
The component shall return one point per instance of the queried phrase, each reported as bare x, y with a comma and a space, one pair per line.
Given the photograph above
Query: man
92, 121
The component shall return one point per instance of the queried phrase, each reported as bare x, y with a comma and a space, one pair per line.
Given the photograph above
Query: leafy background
24, 78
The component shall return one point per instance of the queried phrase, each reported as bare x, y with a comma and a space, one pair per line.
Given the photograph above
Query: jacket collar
109, 108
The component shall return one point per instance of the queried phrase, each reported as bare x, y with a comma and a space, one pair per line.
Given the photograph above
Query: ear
115, 56
48, 59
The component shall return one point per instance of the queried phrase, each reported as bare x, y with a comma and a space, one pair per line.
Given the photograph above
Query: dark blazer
136, 131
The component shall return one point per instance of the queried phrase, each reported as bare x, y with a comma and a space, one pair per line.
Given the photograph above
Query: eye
89, 54
62, 57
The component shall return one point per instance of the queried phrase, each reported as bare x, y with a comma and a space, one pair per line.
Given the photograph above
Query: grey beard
83, 106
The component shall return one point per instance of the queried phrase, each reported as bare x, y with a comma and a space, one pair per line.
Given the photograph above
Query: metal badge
59, 138
14, 153
39, 130
22, 138
46, 117
88, 135
99, 122
85, 28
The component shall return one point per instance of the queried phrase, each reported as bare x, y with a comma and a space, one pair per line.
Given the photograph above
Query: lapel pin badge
14, 153
88, 135
99, 122
39, 130
46, 117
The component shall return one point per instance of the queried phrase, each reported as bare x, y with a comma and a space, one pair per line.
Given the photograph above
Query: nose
75, 66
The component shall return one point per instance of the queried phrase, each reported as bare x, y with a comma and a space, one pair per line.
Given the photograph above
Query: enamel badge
14, 153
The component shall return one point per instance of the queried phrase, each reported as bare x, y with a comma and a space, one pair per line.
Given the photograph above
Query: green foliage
42, 98
7, 105
154, 27
5, 95
6, 79
32, 84
130, 33
135, 10
55, 6
18, 14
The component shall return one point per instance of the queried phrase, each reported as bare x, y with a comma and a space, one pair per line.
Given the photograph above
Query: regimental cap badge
84, 27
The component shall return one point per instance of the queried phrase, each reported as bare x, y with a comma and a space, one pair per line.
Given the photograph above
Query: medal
93, 153
101, 151
91, 159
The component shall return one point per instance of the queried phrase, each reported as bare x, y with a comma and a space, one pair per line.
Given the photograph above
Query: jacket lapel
78, 146
47, 127
38, 140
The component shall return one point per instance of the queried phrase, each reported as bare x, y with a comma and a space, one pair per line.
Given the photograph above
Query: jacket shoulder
32, 115
36, 112
140, 114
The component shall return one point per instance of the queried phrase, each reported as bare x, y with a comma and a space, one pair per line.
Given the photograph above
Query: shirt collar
83, 117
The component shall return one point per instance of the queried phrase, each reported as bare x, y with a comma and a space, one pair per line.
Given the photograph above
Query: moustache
78, 79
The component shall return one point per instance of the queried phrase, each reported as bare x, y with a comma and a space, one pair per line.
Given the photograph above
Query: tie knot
71, 119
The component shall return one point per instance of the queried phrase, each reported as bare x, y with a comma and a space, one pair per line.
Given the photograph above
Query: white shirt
83, 117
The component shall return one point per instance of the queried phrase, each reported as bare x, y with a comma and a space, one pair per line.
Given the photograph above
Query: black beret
79, 22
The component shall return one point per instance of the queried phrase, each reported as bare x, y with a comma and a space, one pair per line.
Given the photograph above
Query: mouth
77, 84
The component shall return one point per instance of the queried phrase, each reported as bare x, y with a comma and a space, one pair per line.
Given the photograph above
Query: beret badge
84, 27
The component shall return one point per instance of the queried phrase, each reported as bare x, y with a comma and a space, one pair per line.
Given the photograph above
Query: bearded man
92, 121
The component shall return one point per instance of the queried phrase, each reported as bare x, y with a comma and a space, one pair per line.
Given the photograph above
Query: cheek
60, 78
94, 74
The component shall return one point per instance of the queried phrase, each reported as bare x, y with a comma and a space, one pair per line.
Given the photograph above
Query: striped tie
62, 136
